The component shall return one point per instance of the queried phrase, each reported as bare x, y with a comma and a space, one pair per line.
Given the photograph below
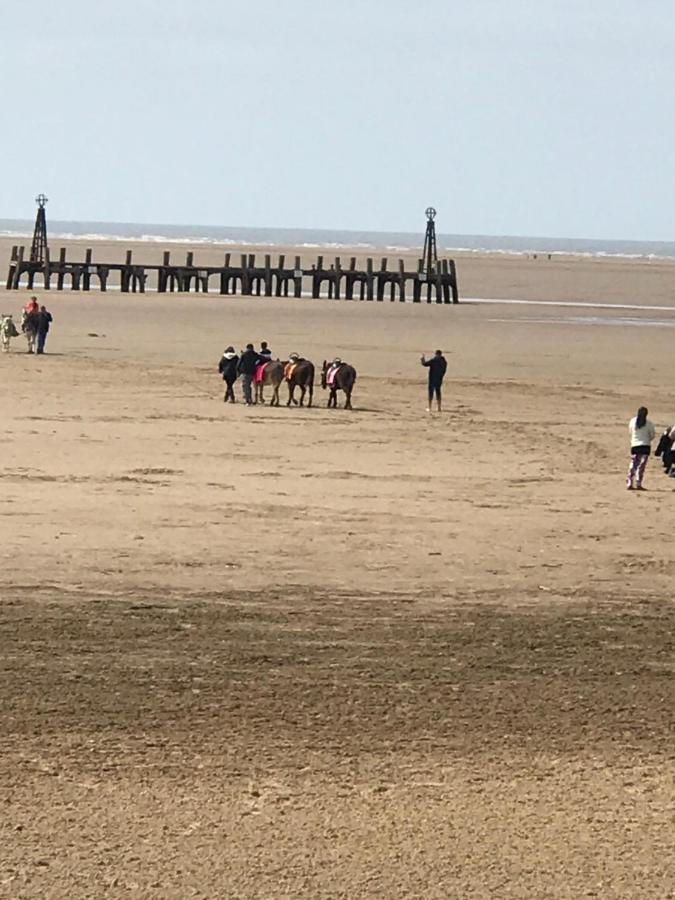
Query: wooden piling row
333, 280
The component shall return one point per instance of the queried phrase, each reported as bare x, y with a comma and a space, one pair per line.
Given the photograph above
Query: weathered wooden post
76, 277
418, 282
338, 277
453, 282
19, 268
226, 278
401, 281
268, 275
86, 277
369, 279
382, 279
316, 277
163, 272
281, 279
349, 279
297, 277
12, 267
247, 263
61, 272
47, 272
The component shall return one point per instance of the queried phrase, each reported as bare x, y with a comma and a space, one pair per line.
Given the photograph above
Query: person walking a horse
437, 366
248, 363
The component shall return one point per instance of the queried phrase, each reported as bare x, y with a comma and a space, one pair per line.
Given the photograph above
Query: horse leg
291, 391
303, 391
311, 393
348, 398
275, 396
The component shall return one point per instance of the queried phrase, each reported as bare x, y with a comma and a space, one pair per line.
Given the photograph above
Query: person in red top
32, 306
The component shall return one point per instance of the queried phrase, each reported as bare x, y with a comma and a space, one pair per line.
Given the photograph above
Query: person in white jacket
642, 433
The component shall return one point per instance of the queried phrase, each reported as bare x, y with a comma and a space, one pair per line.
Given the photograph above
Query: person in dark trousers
437, 368
44, 320
248, 361
228, 369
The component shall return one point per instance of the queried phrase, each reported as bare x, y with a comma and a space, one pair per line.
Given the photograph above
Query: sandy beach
311, 653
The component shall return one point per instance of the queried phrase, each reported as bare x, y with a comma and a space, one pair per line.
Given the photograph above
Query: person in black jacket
44, 320
248, 361
437, 368
228, 369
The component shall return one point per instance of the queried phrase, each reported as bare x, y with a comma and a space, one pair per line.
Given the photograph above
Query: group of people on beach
249, 365
642, 435
244, 365
36, 321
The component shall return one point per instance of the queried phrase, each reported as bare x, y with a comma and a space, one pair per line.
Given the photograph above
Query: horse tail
310, 381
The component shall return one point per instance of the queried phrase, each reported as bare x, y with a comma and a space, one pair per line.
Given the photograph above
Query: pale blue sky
510, 116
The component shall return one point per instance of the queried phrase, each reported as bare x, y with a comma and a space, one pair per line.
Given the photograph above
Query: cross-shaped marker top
41, 200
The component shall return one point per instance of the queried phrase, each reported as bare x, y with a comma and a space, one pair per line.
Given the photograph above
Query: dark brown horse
342, 378
299, 373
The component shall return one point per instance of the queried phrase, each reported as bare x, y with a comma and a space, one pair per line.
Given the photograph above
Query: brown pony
274, 375
299, 373
343, 380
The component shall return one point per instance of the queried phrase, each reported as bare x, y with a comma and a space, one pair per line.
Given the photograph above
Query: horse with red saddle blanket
271, 373
338, 376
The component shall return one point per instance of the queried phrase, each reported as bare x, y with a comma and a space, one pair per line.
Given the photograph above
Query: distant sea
334, 239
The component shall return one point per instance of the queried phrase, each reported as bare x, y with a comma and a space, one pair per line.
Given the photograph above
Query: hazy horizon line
330, 230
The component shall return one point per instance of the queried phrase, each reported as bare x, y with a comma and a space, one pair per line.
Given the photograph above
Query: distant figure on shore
437, 366
642, 433
228, 369
248, 362
265, 351
44, 321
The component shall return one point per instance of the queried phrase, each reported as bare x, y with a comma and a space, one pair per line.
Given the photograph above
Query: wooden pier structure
433, 280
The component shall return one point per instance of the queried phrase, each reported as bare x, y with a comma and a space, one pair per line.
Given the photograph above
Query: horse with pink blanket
338, 376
